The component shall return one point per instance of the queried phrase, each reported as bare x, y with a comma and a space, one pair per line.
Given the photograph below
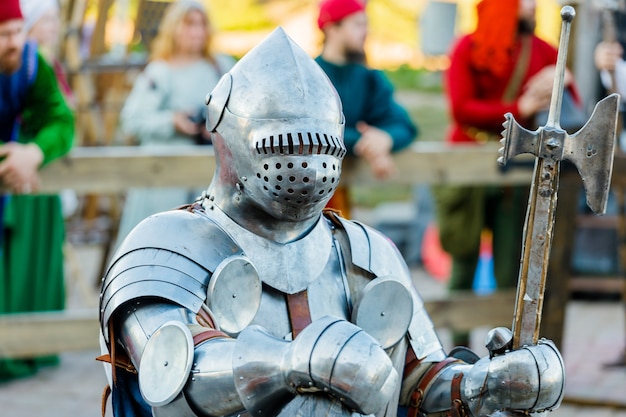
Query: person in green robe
36, 127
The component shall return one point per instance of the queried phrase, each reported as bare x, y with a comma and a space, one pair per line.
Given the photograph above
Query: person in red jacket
501, 67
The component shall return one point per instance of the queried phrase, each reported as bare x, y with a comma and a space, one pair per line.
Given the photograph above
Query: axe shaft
538, 227
591, 150
535, 253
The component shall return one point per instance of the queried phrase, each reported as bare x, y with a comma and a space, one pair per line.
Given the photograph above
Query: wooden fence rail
115, 169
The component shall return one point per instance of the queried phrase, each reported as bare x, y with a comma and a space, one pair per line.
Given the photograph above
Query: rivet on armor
165, 363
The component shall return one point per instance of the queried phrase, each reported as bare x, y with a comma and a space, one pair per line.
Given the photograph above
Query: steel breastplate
312, 263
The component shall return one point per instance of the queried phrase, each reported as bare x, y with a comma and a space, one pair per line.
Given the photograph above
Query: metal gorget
280, 265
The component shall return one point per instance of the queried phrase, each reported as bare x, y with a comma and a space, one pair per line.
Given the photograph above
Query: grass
407, 78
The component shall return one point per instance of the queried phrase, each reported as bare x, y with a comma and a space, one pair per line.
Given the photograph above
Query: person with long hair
167, 100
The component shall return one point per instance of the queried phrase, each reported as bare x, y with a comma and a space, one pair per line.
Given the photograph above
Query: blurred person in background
376, 125
36, 127
42, 23
609, 60
501, 67
166, 104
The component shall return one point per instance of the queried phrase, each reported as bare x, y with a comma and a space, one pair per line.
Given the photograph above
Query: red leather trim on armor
299, 313
206, 335
204, 319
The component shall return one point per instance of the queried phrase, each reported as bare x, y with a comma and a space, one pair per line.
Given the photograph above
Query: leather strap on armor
458, 408
205, 319
121, 361
332, 215
106, 393
411, 361
207, 335
418, 394
299, 313
191, 207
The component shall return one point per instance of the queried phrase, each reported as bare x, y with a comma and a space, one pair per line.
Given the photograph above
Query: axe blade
591, 150
516, 140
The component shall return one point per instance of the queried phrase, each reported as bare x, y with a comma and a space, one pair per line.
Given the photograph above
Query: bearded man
501, 67
36, 127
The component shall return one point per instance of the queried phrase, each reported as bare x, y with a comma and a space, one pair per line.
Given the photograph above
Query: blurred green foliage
407, 78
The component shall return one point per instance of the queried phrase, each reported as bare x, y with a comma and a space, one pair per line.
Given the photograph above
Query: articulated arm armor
528, 380
256, 371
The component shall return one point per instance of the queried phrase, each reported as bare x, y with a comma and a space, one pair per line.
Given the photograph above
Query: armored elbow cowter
530, 379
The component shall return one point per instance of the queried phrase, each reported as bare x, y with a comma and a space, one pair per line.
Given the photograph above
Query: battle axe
590, 149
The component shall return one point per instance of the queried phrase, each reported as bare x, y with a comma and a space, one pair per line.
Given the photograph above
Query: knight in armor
254, 301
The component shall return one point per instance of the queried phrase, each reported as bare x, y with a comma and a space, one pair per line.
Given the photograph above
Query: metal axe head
591, 150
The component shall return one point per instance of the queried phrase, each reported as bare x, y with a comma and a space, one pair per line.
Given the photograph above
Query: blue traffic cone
484, 279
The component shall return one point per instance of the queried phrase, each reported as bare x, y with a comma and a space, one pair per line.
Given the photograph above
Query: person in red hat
501, 67
376, 125
36, 127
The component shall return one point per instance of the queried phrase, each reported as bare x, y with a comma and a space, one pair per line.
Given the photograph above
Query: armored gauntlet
530, 379
330, 355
